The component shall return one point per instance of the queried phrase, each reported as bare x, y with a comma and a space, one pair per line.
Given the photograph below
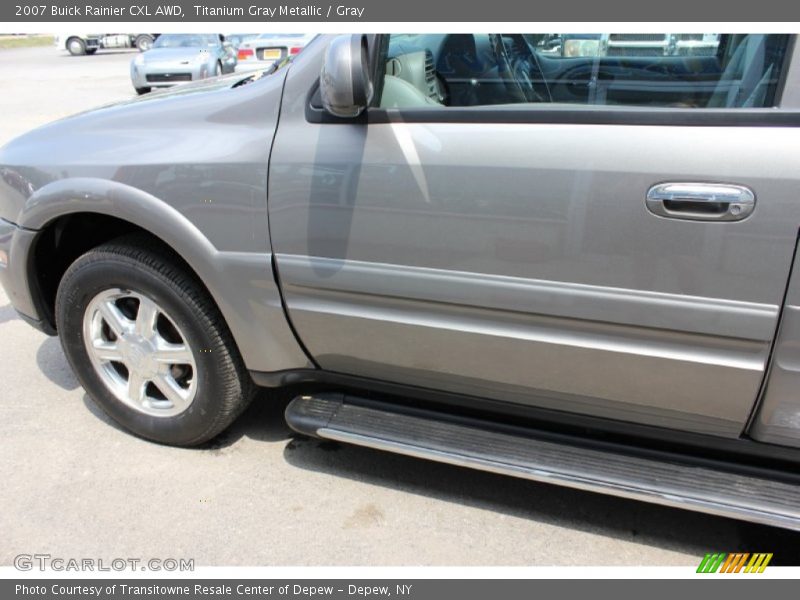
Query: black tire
143, 42
224, 387
142, 90
91, 51
76, 46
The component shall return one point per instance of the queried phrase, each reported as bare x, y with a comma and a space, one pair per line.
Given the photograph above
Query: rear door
624, 259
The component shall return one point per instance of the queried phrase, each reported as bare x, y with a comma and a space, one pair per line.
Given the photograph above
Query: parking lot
75, 485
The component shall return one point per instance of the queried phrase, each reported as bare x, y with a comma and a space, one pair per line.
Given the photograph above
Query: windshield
176, 40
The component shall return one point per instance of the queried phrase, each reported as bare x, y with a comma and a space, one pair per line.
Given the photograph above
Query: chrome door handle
701, 201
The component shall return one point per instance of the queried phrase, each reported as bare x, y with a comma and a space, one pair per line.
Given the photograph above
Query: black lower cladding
743, 453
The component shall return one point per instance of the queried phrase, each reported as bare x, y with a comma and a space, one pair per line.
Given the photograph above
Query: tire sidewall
80, 286
143, 43
76, 46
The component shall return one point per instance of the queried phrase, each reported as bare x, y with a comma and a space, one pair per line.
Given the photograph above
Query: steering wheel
520, 63
521, 69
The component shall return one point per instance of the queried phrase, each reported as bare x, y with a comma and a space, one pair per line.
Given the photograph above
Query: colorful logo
720, 562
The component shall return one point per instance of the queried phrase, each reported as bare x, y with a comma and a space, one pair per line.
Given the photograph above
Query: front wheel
142, 90
143, 42
149, 345
76, 46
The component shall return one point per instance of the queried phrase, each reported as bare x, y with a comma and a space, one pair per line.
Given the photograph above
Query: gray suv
579, 270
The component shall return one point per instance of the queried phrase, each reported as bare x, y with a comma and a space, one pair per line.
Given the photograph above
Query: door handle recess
701, 201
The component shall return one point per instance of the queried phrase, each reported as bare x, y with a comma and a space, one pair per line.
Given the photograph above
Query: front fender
241, 283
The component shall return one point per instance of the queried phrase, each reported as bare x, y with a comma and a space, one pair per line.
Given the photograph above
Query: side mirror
345, 86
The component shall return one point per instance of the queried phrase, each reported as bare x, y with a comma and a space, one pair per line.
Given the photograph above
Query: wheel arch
72, 216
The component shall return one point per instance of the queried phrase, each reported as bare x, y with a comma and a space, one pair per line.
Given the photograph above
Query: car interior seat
746, 75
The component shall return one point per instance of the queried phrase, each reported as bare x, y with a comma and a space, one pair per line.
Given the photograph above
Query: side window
705, 70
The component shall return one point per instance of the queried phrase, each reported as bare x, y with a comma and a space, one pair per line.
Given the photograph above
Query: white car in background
268, 48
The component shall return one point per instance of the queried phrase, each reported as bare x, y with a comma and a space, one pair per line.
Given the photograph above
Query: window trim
791, 70
585, 115
567, 114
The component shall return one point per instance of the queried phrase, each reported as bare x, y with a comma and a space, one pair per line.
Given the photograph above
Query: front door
486, 229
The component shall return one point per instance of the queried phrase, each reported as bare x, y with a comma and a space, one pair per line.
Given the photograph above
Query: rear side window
703, 70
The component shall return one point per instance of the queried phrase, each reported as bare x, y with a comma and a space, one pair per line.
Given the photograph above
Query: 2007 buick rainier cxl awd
552, 257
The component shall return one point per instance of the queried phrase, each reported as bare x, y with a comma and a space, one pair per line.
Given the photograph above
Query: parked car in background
577, 270
79, 44
180, 57
262, 51
236, 39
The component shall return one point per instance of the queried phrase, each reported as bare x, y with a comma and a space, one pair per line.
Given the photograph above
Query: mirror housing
344, 84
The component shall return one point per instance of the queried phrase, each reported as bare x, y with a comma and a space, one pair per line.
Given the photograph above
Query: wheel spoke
171, 390
172, 354
112, 315
134, 355
107, 351
136, 387
146, 317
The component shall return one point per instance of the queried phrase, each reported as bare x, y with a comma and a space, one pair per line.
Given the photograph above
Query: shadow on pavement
98, 412
629, 520
262, 421
100, 54
7, 313
53, 364
618, 518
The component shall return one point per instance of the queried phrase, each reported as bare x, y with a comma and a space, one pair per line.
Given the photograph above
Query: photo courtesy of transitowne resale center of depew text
399, 299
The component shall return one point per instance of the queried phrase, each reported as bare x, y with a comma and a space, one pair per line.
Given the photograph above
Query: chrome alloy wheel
139, 353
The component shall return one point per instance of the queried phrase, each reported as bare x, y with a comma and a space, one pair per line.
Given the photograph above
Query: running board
660, 479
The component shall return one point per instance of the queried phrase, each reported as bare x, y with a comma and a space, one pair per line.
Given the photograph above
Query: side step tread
436, 437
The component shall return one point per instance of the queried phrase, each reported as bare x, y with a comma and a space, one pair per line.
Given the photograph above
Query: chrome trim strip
729, 353
674, 312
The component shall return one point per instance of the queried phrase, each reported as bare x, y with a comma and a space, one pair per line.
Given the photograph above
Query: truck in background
79, 44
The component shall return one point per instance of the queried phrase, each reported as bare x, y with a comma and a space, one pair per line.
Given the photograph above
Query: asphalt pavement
73, 484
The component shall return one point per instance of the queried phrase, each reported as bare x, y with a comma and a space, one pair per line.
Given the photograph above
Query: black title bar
441, 11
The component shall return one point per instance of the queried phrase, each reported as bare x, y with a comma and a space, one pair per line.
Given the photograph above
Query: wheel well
63, 240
